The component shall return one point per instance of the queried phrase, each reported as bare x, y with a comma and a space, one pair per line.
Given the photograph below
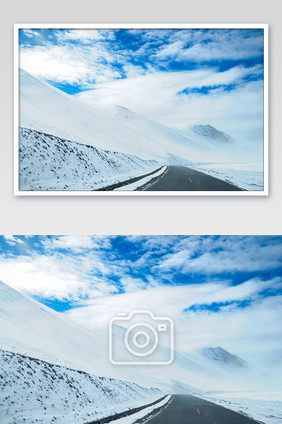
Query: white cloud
238, 112
58, 277
253, 332
12, 240
227, 48
94, 265
67, 63
84, 35
131, 284
215, 256
42, 276
76, 243
170, 50
30, 33
211, 45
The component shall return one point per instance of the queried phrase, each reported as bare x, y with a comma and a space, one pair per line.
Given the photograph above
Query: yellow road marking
198, 411
190, 180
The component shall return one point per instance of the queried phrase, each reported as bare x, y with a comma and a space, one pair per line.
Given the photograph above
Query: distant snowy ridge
211, 133
223, 357
48, 162
34, 391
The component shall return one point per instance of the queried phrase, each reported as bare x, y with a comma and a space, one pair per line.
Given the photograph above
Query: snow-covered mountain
58, 131
52, 367
65, 144
48, 162
160, 139
52, 360
208, 132
35, 391
32, 329
190, 368
223, 358
46, 109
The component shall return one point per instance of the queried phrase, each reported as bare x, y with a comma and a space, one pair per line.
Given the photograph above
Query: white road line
162, 175
168, 403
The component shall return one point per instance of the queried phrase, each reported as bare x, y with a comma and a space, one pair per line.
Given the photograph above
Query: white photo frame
19, 192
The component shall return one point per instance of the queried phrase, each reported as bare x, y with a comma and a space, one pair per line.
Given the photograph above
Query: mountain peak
223, 357
212, 133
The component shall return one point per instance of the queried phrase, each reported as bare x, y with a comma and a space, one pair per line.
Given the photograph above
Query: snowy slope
158, 138
49, 110
51, 163
30, 328
33, 391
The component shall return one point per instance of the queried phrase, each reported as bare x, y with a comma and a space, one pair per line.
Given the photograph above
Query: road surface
181, 178
185, 409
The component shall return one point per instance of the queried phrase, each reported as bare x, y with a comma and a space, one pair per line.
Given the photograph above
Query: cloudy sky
220, 290
178, 77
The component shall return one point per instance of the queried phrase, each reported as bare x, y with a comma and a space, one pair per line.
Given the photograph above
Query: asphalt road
185, 409
181, 178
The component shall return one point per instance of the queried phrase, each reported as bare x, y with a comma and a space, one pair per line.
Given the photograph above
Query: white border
18, 192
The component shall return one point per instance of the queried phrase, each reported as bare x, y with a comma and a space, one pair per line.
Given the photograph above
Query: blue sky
66, 272
91, 56
219, 290
178, 77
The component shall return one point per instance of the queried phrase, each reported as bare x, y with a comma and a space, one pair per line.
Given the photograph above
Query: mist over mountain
209, 132
223, 358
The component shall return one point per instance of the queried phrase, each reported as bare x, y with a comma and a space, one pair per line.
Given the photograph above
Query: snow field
265, 407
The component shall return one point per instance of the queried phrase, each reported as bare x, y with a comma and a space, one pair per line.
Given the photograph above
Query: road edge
154, 413
126, 413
